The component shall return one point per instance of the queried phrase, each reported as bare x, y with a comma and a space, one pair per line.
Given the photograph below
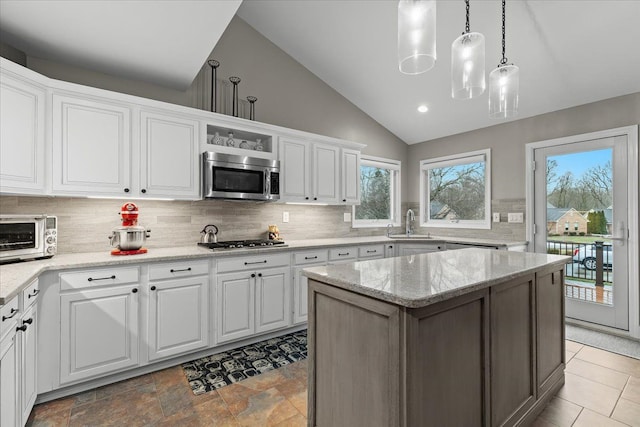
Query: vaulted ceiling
569, 52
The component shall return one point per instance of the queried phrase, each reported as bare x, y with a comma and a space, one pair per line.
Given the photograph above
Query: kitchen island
469, 337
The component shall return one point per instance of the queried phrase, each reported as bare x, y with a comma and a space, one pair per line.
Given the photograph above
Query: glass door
581, 210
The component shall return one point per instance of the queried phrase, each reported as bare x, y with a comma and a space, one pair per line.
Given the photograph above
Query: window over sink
379, 193
455, 191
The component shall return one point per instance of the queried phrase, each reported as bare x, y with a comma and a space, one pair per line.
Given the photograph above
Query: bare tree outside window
459, 190
375, 193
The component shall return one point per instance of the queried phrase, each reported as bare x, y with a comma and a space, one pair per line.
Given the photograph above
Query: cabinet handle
144, 190
28, 321
91, 279
126, 190
439, 248
177, 271
306, 198
253, 274
311, 257
153, 288
12, 313
259, 274
35, 292
315, 198
256, 262
344, 200
21, 328
134, 290
344, 254
372, 252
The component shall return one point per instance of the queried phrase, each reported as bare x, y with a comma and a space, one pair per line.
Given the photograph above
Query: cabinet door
550, 328
28, 362
300, 294
9, 415
169, 156
178, 316
512, 350
295, 170
22, 136
91, 147
350, 176
325, 173
98, 332
272, 299
235, 306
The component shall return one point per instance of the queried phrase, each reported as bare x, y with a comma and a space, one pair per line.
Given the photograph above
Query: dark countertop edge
426, 301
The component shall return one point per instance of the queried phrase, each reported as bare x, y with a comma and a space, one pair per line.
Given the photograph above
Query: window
566, 226
455, 191
379, 193
575, 226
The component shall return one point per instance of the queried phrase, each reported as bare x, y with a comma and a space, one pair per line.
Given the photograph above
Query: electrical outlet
517, 217
347, 217
496, 217
285, 216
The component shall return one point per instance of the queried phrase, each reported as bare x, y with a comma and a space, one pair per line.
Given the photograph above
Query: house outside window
379, 193
455, 191
566, 226
575, 226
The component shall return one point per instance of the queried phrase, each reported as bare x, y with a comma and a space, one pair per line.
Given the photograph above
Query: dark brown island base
470, 337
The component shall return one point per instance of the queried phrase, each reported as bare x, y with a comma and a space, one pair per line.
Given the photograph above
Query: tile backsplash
85, 224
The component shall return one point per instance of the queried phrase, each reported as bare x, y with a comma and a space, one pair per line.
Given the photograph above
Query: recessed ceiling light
423, 108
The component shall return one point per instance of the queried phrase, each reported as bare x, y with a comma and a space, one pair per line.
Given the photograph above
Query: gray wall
13, 54
507, 141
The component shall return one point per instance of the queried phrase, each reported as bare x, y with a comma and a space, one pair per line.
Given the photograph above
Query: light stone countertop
419, 280
17, 276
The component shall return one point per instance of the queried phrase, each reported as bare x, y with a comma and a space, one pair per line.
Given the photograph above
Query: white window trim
395, 165
453, 160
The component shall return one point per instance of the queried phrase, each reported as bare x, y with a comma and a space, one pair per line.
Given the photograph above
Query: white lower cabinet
9, 390
302, 260
178, 316
98, 332
28, 362
252, 295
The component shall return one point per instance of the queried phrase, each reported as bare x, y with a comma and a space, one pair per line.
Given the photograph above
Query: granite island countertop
419, 280
15, 277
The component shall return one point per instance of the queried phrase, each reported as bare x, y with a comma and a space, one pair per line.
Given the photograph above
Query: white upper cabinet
22, 133
350, 177
314, 172
295, 169
169, 156
91, 146
326, 173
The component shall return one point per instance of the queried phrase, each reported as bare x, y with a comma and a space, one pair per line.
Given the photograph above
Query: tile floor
602, 389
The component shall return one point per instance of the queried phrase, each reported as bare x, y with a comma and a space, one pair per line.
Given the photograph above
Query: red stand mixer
129, 238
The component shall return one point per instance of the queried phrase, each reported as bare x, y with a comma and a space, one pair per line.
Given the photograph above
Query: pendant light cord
503, 61
467, 28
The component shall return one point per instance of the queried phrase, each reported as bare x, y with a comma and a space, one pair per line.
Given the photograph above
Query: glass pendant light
504, 84
467, 64
416, 35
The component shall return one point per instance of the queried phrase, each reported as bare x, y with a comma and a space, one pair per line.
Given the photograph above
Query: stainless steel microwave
25, 237
227, 176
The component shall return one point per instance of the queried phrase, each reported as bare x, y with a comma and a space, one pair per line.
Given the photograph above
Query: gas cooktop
241, 244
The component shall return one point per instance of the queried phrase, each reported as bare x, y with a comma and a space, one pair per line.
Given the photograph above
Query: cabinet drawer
253, 262
347, 252
371, 251
92, 278
171, 270
8, 315
309, 257
30, 294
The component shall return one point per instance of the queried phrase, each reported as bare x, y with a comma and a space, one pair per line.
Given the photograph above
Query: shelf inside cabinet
219, 136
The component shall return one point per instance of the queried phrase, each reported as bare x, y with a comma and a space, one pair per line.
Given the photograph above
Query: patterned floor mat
212, 372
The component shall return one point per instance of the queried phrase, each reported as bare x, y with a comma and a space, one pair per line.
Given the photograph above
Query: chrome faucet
389, 229
409, 222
